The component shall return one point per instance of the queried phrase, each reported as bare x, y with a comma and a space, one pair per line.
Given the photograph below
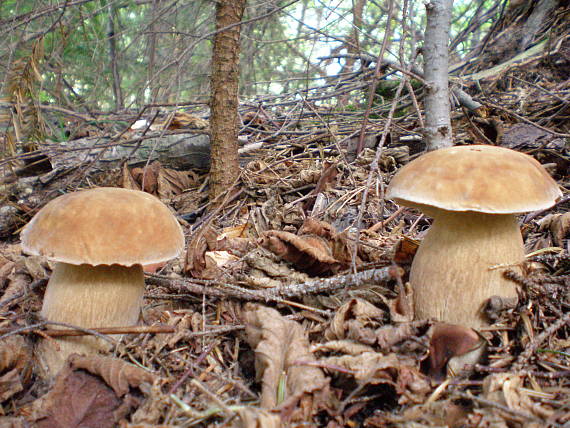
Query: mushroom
99, 239
473, 194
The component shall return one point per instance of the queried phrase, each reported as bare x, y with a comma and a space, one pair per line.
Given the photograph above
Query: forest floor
281, 312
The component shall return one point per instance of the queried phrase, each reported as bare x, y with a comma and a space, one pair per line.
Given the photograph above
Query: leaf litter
276, 320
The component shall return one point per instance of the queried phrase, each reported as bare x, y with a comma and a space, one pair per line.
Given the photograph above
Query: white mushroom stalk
92, 297
460, 264
473, 194
100, 239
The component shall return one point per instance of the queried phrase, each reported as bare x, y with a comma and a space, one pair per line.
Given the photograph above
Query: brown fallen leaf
180, 119
281, 352
343, 347
197, 264
10, 384
251, 417
308, 253
14, 366
341, 247
326, 179
353, 318
147, 177
13, 422
118, 374
372, 368
6, 267
559, 226
508, 389
78, 399
127, 179
14, 353
172, 183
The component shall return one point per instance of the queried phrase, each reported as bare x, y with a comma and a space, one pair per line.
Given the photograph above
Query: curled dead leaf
353, 318
15, 356
559, 226
251, 417
197, 264
508, 389
78, 399
341, 247
308, 253
372, 368
12, 422
281, 355
118, 374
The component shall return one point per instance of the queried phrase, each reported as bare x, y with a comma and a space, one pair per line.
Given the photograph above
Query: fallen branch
136, 329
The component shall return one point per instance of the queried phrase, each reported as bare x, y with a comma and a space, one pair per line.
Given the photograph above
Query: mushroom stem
89, 296
451, 273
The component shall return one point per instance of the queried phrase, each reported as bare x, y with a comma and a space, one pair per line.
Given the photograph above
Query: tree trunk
224, 168
111, 34
438, 123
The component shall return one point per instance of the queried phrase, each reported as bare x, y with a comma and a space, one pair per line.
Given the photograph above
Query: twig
31, 328
224, 290
513, 412
524, 119
31, 287
535, 214
332, 284
537, 341
136, 329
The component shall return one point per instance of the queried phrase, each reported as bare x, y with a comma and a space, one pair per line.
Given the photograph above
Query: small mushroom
100, 238
452, 348
473, 194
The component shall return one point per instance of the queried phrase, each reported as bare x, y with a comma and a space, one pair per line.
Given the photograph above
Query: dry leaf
353, 318
118, 374
251, 417
508, 389
197, 264
374, 368
266, 272
341, 248
10, 384
343, 347
172, 183
390, 335
12, 422
17, 282
14, 353
151, 411
127, 179
308, 253
182, 119
147, 177
78, 399
14, 358
6, 267
559, 225
282, 351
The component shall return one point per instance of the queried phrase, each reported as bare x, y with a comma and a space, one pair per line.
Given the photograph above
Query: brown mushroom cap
480, 178
104, 226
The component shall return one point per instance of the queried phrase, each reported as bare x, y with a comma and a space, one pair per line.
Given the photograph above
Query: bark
535, 22
153, 84
111, 23
438, 133
224, 168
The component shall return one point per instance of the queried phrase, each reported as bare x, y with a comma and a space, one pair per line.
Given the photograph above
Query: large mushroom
100, 238
473, 194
